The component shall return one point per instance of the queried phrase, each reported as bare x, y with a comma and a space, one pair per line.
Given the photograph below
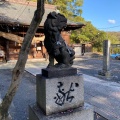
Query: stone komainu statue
54, 43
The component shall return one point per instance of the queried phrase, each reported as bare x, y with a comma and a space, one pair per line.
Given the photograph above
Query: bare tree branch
20, 65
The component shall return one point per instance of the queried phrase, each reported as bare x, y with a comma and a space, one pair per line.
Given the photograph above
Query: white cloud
111, 21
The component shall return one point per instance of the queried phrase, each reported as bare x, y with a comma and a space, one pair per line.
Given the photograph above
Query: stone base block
107, 74
81, 113
59, 94
57, 72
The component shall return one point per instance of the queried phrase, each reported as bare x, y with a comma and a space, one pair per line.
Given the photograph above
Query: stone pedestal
57, 72
106, 74
58, 95
82, 113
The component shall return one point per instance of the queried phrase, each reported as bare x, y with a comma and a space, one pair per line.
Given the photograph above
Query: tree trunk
20, 65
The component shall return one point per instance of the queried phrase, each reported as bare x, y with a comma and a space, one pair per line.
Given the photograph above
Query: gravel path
25, 95
92, 66
27, 88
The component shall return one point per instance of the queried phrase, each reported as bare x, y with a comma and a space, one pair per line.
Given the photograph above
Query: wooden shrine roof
21, 13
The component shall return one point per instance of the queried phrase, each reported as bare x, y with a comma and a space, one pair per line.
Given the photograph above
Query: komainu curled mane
54, 43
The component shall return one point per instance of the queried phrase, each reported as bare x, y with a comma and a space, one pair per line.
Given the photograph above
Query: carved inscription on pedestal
63, 96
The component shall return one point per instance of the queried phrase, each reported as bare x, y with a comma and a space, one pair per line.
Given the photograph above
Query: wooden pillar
7, 50
83, 49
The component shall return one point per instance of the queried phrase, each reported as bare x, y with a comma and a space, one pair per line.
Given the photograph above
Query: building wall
2, 43
66, 37
88, 47
37, 50
13, 50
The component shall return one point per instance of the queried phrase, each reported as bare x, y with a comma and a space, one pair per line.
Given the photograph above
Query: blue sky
103, 14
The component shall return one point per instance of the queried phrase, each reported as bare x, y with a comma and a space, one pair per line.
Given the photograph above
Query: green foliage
76, 37
113, 38
75, 7
67, 7
98, 41
116, 50
89, 34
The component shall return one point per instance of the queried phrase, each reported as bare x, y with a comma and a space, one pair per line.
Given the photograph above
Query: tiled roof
22, 13
19, 13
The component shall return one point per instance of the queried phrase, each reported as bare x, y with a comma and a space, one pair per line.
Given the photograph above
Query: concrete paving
103, 95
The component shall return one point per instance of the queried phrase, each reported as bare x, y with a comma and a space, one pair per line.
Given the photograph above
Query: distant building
82, 49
